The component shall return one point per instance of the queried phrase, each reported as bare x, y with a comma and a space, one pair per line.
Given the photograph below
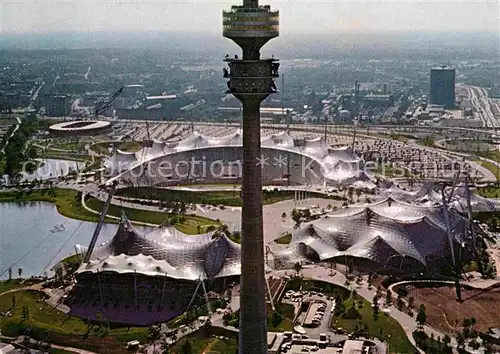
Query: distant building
495, 91
353, 347
267, 114
379, 100
57, 105
90, 98
442, 86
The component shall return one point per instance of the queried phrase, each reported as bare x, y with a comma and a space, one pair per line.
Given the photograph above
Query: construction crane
106, 104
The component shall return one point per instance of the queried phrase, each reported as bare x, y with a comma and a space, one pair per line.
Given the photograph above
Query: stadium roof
338, 165
165, 251
379, 232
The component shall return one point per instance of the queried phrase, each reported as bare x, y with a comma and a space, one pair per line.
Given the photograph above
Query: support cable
63, 245
30, 251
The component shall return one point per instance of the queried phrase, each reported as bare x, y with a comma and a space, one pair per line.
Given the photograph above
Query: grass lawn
130, 146
61, 155
227, 198
67, 202
94, 165
7, 285
68, 146
59, 351
286, 324
287, 311
8, 121
190, 225
489, 192
491, 167
224, 345
48, 324
285, 239
384, 327
197, 341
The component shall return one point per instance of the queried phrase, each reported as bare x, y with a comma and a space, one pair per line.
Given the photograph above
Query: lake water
26, 226
54, 168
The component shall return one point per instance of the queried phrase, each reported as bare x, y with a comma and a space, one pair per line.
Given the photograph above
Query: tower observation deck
251, 80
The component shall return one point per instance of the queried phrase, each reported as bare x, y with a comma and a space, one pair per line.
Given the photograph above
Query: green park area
12, 284
200, 342
68, 203
284, 239
356, 315
187, 223
31, 315
129, 146
8, 121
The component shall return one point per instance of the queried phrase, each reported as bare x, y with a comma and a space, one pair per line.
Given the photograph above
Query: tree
399, 303
276, 318
472, 321
187, 348
388, 298
411, 301
350, 192
421, 316
20, 272
460, 341
10, 273
446, 340
296, 216
283, 215
297, 267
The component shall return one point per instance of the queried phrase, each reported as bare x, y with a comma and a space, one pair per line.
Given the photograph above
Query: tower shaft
253, 332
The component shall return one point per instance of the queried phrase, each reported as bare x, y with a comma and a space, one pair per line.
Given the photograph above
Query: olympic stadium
142, 279
80, 127
204, 159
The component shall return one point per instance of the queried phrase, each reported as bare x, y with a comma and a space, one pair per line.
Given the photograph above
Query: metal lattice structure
164, 251
388, 233
312, 161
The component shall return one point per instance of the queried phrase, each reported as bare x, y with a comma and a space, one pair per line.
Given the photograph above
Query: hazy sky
202, 15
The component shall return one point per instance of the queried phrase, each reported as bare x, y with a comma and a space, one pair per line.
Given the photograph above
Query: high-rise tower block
251, 80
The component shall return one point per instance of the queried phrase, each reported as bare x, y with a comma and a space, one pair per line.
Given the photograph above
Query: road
13, 132
485, 108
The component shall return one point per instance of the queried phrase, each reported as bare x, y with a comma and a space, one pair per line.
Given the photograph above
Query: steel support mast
251, 80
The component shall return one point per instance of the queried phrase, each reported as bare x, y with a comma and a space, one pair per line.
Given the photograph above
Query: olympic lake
31, 235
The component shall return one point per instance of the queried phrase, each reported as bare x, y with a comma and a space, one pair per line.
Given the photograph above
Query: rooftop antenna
354, 124
326, 126
283, 100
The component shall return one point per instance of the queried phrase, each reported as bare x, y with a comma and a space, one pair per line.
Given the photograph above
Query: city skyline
200, 16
